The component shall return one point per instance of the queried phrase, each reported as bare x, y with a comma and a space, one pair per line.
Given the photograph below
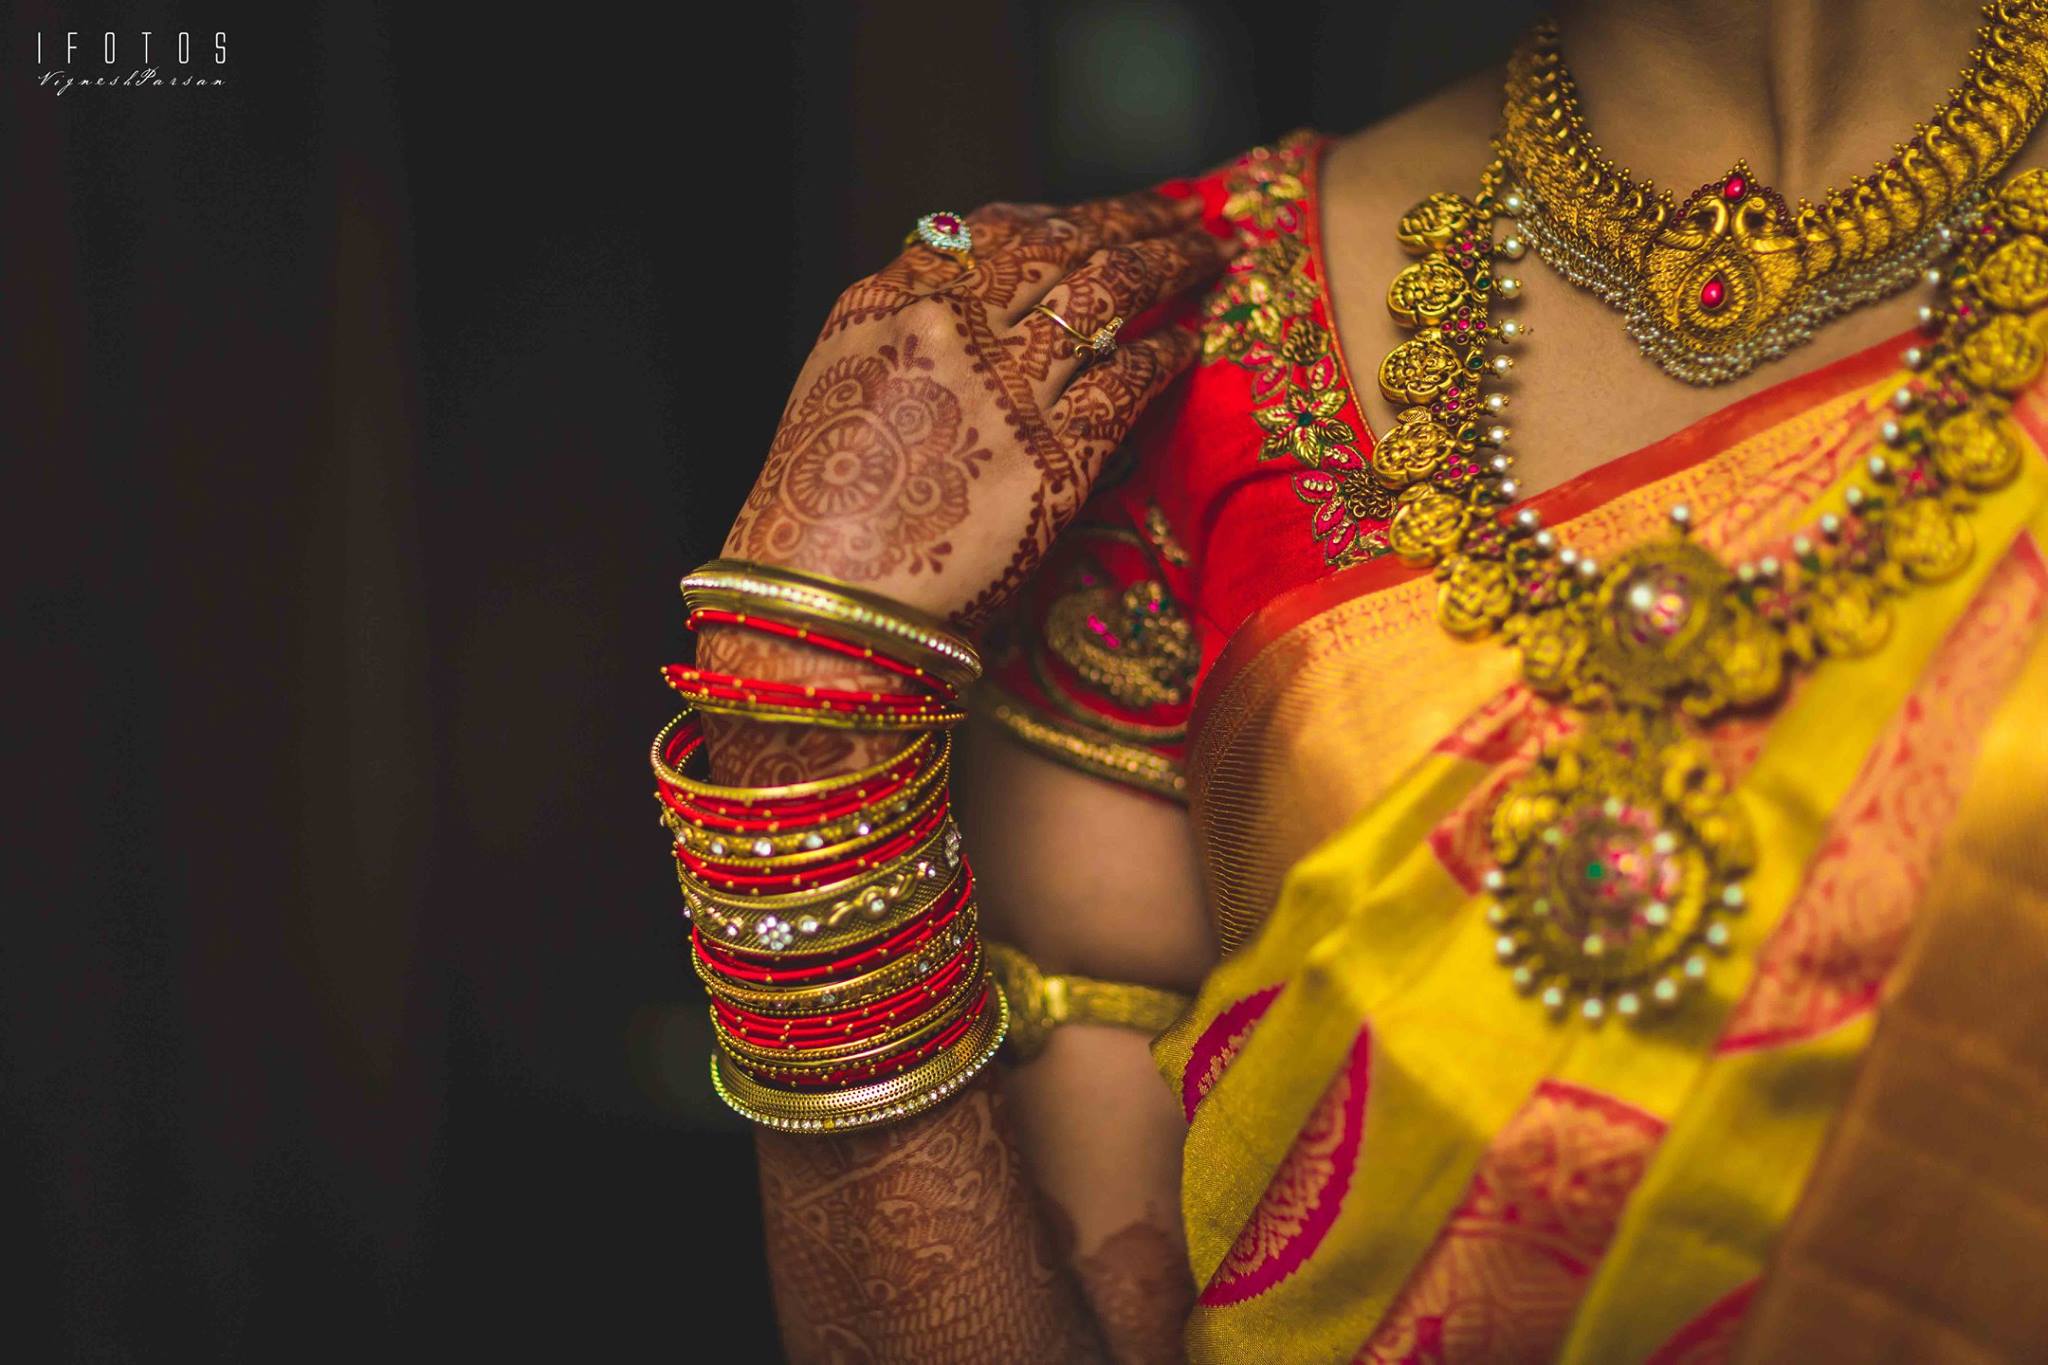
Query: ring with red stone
945, 233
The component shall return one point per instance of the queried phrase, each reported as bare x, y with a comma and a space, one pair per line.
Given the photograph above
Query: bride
1499, 656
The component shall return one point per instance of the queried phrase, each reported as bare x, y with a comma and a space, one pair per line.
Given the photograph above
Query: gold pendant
1620, 857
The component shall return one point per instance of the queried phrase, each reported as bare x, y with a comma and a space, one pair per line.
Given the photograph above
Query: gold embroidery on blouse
1262, 317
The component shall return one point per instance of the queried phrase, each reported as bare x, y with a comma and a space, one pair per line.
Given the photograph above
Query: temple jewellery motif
1621, 854
1733, 276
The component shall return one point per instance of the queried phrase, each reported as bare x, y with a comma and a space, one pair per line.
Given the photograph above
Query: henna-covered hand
942, 433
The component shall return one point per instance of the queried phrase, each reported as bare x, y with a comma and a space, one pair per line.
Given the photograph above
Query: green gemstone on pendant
1595, 871
1482, 281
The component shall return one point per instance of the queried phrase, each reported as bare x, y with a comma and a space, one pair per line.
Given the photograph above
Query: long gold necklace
1731, 277
1621, 853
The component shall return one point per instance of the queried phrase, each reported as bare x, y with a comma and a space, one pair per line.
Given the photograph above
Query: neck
1810, 92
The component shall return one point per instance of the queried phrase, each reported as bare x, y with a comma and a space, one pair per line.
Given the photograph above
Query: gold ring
1088, 346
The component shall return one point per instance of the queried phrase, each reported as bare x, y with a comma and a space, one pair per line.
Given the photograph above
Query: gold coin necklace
1621, 854
1732, 276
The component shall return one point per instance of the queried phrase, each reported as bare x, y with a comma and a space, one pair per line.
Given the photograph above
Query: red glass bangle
835, 1079
780, 698
817, 639
877, 1016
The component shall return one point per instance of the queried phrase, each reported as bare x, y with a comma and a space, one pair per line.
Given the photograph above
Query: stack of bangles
832, 921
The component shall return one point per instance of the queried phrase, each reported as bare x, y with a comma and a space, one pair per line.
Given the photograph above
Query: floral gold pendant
1620, 857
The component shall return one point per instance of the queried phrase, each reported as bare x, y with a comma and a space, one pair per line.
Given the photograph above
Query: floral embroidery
1266, 317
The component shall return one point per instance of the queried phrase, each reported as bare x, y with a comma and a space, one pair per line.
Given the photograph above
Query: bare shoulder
1439, 141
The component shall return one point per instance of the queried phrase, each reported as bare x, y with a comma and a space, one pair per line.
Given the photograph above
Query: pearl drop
1510, 329
1512, 202
1567, 556
1501, 464
1642, 597
1768, 566
1854, 497
1802, 546
1627, 1005
1892, 433
1504, 947
1496, 402
1926, 315
1903, 399
1509, 286
1914, 357
1496, 436
1528, 519
1880, 468
1553, 997
1666, 991
1545, 540
1830, 525
1494, 879
1589, 567
1681, 514
1508, 488
1512, 248
1501, 365
1934, 277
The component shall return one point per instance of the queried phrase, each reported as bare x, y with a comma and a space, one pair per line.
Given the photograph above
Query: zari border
1125, 763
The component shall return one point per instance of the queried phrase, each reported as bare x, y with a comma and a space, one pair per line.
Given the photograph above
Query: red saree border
1690, 445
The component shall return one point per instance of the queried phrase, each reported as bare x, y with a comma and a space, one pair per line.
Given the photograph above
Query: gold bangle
898, 1097
822, 786
877, 832
775, 925
850, 992
741, 586
726, 894
1040, 1003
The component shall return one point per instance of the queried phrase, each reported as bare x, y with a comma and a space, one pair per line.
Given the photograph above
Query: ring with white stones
1088, 346
945, 233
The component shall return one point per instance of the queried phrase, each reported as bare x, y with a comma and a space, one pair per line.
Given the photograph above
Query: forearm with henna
919, 1242
938, 438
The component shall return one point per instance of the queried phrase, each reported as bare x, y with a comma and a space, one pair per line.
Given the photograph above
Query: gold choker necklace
1731, 277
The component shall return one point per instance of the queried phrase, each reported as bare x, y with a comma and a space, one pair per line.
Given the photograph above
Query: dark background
358, 418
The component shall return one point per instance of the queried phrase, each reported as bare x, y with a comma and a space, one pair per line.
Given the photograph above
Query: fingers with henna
1097, 411
1120, 281
1065, 239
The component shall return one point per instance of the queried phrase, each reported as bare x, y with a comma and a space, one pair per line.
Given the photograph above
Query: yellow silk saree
1832, 1151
